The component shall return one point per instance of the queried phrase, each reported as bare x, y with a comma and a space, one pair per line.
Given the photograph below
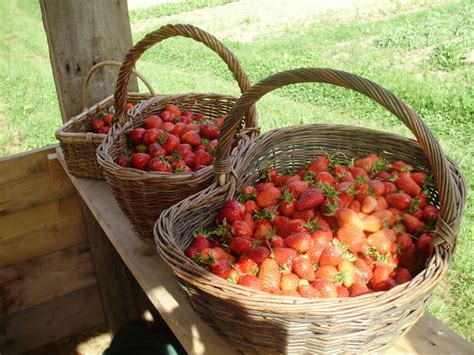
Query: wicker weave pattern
78, 145
143, 195
258, 322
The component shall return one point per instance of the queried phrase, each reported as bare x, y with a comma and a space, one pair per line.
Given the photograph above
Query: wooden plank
81, 34
19, 166
164, 292
33, 191
430, 336
50, 321
50, 239
45, 278
115, 284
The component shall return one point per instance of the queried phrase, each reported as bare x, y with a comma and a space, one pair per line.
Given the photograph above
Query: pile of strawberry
173, 142
331, 229
102, 121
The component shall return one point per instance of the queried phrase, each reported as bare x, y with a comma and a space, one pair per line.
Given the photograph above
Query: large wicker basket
258, 322
143, 195
78, 145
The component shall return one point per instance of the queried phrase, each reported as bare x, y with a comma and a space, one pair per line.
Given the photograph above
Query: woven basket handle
85, 84
169, 31
431, 148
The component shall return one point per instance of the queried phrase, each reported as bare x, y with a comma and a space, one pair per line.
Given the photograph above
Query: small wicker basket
78, 145
143, 195
258, 322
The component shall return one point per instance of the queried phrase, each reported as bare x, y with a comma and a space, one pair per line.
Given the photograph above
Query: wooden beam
81, 34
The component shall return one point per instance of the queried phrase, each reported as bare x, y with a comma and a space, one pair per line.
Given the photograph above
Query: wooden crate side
23, 165
40, 230
50, 321
45, 278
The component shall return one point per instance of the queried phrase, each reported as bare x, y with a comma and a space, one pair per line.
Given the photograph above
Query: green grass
420, 55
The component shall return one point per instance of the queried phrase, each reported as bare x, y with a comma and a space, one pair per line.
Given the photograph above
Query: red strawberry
202, 158
189, 114
137, 134
353, 238
221, 268
167, 126
425, 244
240, 245
251, 281
276, 241
251, 206
232, 211
355, 206
308, 291
123, 161
157, 164
358, 289
405, 241
429, 213
189, 158
191, 252
390, 188
399, 200
103, 130
155, 149
320, 163
327, 289
167, 116
191, 137
97, 124
387, 217
108, 119
288, 227
309, 198
303, 268
201, 242
153, 122
403, 276
173, 109
419, 178
382, 204
170, 144
412, 224
366, 163
269, 275
369, 203
326, 273
305, 215
324, 177
401, 166
322, 237
284, 257
263, 186
377, 187
247, 265
178, 130
348, 218
258, 254
183, 119
357, 172
364, 270
151, 136
301, 242
263, 229
268, 197
241, 229
140, 161
209, 131
216, 253
289, 282
372, 223
287, 208
408, 185
330, 256
383, 277
380, 243
342, 291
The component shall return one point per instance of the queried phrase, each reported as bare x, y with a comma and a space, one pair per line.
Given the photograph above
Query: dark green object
135, 339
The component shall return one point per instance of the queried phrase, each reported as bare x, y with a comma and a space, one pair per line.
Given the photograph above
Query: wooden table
428, 336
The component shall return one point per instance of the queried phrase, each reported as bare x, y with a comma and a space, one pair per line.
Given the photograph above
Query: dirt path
245, 20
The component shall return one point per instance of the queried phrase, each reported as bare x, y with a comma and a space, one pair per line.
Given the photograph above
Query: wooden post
80, 34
